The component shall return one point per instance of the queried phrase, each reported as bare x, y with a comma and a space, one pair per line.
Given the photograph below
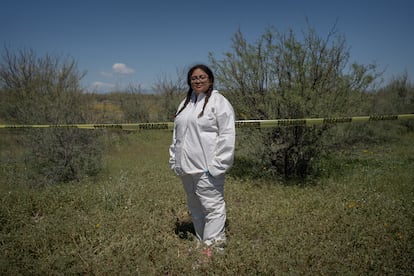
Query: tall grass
356, 219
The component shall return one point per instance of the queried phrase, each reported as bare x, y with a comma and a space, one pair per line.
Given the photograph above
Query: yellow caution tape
318, 121
138, 126
239, 123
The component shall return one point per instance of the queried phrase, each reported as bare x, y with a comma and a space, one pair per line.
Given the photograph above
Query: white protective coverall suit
201, 152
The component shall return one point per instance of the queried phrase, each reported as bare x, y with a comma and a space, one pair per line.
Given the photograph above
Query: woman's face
200, 81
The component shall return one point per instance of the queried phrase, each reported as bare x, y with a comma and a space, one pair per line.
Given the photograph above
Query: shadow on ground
184, 229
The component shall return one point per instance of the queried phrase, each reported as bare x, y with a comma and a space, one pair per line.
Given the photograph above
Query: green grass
356, 220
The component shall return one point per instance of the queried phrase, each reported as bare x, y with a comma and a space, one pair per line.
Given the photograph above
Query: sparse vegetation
46, 90
356, 219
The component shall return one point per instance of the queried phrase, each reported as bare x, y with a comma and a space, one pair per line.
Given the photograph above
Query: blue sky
124, 42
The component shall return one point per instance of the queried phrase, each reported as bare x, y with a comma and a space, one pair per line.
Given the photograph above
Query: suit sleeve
172, 151
172, 147
224, 152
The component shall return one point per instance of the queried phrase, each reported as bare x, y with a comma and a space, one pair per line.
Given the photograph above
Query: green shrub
281, 76
47, 90
62, 155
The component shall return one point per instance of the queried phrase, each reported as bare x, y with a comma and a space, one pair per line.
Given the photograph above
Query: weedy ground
357, 219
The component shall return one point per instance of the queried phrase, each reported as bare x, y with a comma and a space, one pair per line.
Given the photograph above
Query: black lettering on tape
292, 122
153, 126
18, 126
63, 126
108, 126
337, 120
383, 117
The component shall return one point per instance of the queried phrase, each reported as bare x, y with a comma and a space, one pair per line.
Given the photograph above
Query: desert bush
46, 90
172, 93
62, 155
396, 98
282, 76
133, 104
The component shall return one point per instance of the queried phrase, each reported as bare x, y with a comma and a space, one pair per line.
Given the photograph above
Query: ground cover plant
357, 218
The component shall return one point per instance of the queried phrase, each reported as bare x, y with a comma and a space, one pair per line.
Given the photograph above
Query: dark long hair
210, 75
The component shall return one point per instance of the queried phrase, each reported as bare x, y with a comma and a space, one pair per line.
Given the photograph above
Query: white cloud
119, 71
122, 69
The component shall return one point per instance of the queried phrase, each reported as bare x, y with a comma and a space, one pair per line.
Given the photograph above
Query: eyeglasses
201, 78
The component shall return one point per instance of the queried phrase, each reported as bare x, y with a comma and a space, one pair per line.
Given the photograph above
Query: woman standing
202, 151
